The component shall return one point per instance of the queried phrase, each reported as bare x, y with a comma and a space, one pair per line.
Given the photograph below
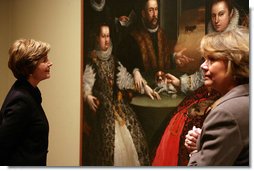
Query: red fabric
167, 152
171, 145
168, 149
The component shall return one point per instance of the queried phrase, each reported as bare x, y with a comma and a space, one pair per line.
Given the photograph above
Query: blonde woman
224, 137
24, 126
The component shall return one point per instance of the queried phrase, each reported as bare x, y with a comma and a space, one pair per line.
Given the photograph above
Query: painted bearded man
146, 50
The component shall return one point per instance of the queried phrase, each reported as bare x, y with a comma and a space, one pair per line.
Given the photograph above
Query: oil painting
142, 84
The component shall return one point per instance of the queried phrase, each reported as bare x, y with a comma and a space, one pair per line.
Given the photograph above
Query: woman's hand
138, 80
191, 139
151, 93
93, 102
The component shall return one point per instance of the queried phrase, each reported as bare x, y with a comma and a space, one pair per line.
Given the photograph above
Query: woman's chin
208, 83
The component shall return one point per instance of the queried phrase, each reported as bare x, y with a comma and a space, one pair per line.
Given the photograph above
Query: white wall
57, 22
5, 74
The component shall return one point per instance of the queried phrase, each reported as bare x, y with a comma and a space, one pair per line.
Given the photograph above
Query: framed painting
131, 50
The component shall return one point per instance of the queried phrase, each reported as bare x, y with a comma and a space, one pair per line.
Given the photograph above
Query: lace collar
97, 6
104, 55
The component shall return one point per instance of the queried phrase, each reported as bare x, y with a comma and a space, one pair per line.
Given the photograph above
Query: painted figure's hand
93, 102
173, 80
151, 93
181, 59
123, 18
138, 80
191, 139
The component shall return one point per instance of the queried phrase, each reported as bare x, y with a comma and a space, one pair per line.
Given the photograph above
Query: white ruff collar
153, 30
97, 6
104, 55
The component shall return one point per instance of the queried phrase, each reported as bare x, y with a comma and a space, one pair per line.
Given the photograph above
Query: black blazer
23, 127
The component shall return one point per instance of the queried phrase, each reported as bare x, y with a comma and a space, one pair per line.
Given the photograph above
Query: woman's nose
50, 63
204, 65
217, 19
107, 40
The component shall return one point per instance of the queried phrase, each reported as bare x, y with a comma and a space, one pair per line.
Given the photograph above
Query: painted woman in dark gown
116, 137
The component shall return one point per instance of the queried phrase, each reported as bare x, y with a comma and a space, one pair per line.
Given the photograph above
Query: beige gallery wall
57, 22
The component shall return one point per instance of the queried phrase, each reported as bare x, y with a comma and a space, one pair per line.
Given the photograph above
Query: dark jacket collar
34, 91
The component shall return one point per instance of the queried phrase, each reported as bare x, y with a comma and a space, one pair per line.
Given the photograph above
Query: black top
23, 127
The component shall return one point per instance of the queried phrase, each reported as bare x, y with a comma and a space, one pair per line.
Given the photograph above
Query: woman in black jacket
24, 126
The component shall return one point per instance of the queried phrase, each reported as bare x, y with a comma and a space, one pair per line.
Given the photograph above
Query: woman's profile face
216, 75
42, 71
104, 38
220, 16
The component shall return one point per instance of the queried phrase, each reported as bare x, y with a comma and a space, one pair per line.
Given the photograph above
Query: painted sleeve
191, 82
88, 81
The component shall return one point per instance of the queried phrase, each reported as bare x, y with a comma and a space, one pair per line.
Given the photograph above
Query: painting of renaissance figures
132, 52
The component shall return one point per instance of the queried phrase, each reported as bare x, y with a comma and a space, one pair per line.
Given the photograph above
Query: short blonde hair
24, 55
232, 46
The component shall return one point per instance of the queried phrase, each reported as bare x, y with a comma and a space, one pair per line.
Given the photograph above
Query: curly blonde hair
231, 46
